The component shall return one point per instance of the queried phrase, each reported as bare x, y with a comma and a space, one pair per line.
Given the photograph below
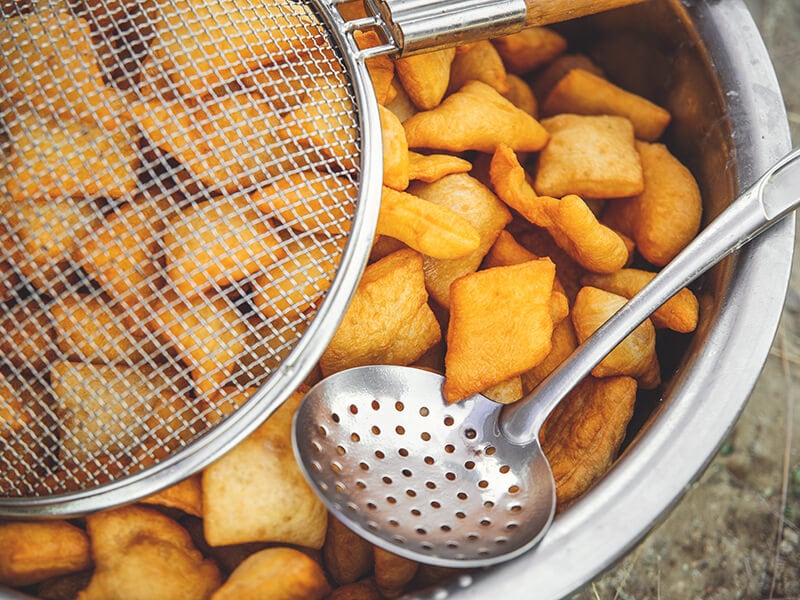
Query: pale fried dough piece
388, 320
199, 45
480, 62
428, 228
31, 552
466, 196
139, 553
217, 242
679, 313
583, 93
277, 574
582, 436
476, 117
500, 326
425, 76
592, 156
635, 356
529, 48
563, 343
395, 151
569, 220
505, 392
666, 216
256, 491
348, 557
432, 167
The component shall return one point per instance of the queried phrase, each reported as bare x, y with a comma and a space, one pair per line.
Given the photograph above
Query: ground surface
727, 539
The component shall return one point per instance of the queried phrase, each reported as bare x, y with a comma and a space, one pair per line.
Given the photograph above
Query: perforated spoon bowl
467, 484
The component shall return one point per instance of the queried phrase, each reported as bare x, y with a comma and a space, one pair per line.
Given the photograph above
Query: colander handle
424, 25
772, 197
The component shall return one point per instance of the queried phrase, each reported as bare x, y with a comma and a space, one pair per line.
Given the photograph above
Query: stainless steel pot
706, 62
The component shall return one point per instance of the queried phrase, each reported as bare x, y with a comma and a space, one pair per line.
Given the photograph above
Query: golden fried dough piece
428, 228
31, 552
102, 409
521, 95
277, 574
505, 392
432, 167
27, 334
360, 590
93, 328
122, 253
589, 156
476, 117
199, 45
56, 160
317, 125
635, 356
507, 251
529, 49
217, 242
393, 572
563, 343
186, 495
425, 76
291, 286
666, 216
309, 201
348, 557
480, 62
475, 202
227, 141
679, 313
569, 220
582, 436
395, 151
546, 79
50, 69
208, 334
140, 554
583, 93
256, 491
380, 68
500, 326
388, 320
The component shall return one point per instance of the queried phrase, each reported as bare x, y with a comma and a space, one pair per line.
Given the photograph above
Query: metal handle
424, 25
772, 197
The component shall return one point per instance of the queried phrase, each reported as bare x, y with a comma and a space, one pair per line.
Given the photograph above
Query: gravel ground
736, 533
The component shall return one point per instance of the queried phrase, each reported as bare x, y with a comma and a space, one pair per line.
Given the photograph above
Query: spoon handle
772, 197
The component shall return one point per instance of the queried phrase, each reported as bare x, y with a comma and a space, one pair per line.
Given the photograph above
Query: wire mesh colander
180, 232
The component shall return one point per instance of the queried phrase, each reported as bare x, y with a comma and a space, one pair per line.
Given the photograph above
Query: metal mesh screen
178, 181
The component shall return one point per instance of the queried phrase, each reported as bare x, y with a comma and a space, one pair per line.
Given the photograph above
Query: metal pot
706, 63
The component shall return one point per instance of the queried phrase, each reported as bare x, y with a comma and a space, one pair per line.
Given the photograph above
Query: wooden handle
544, 12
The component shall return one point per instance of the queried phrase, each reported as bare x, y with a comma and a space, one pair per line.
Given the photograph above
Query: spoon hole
316, 447
406, 473
411, 493
387, 480
462, 495
416, 512
379, 454
336, 467
485, 522
400, 430
424, 412
472, 537
452, 545
403, 452
488, 504
505, 469
399, 539
429, 460
469, 465
430, 485
421, 531
500, 541
340, 450
490, 450
375, 405
461, 515
372, 526
322, 431
425, 436
426, 546
445, 528
371, 505
515, 508
391, 499
511, 526
514, 489
353, 409
375, 429
364, 466
470, 434
335, 418
316, 466
449, 448
448, 421
450, 476
361, 485
483, 484
484, 552
355, 437
399, 406
394, 522
435, 504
